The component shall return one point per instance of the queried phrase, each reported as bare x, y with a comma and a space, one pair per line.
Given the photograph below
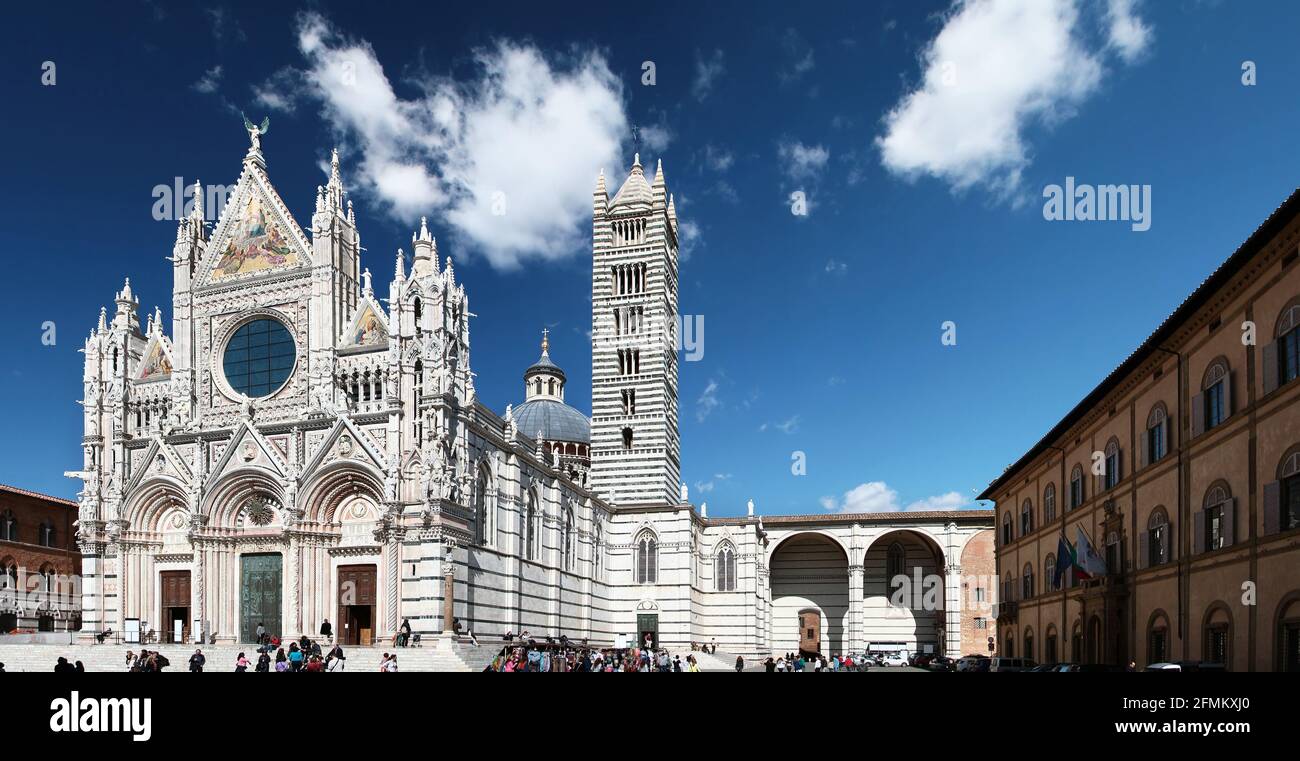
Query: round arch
331, 486
151, 500
228, 495
808, 575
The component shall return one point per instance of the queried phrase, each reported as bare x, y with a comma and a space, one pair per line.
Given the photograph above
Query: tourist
263, 663
390, 666
769, 665
740, 664
130, 661
261, 633
63, 667
403, 634
335, 661
281, 662
326, 630
694, 665
295, 657
241, 664
315, 665
81, 667
196, 662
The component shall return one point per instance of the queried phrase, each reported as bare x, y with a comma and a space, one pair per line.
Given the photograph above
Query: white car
894, 659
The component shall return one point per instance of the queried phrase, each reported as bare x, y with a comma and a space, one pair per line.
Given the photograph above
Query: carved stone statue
255, 132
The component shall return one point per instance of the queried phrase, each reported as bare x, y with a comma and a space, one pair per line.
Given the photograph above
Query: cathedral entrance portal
175, 606
356, 604
259, 595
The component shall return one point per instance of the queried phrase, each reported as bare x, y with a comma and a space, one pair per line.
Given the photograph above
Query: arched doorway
810, 593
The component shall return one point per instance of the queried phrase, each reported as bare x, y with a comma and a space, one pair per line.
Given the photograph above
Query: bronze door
260, 593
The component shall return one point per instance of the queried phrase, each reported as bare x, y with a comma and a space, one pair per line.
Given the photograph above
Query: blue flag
1064, 559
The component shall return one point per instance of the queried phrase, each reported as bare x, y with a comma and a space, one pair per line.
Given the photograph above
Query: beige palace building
1183, 469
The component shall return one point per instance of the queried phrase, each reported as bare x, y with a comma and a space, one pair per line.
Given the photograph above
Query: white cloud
878, 497
690, 238
707, 402
787, 426
994, 69
707, 72
705, 487
718, 159
800, 55
836, 267
656, 137
532, 128
1128, 34
281, 91
210, 81
802, 162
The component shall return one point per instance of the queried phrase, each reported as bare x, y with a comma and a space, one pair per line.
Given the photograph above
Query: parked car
999, 663
973, 663
921, 660
1186, 666
1046, 667
1106, 668
893, 659
942, 663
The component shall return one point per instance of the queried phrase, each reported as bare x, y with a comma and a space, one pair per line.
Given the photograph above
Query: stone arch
150, 501
1290, 603
809, 571
333, 485
229, 494
829, 535
1218, 614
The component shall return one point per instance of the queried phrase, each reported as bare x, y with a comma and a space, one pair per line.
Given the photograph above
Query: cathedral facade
294, 450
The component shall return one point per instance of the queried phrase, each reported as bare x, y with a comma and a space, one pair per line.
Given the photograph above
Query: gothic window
724, 569
1076, 487
598, 548
416, 309
647, 558
1049, 503
629, 401
895, 558
530, 527
47, 534
9, 527
1113, 474
1026, 517
627, 438
8, 574
568, 538
484, 518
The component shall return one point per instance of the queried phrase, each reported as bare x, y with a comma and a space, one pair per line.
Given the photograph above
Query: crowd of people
806, 662
563, 657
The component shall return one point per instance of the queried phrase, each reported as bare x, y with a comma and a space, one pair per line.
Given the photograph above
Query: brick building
38, 561
1183, 470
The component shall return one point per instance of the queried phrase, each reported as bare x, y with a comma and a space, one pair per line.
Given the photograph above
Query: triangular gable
369, 326
344, 442
255, 236
157, 362
160, 460
248, 448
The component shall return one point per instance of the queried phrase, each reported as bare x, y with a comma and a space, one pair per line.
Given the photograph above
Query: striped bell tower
635, 446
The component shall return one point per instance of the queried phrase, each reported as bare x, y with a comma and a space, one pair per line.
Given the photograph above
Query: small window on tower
627, 438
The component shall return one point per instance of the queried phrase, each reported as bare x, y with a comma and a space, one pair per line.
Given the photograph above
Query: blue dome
556, 420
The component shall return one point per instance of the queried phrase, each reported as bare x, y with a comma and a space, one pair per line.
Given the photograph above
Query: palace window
1007, 531
1049, 503
724, 569
9, 527
1157, 426
1049, 647
47, 534
1027, 581
646, 558
1158, 643
1218, 642
1287, 348
1049, 572
1157, 549
1216, 519
1215, 396
1076, 487
1029, 644
1287, 494
1113, 473
1026, 517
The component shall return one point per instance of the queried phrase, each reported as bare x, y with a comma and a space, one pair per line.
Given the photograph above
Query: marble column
856, 604
448, 586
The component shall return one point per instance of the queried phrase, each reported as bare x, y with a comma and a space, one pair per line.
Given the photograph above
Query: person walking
740, 664
196, 662
336, 659
261, 633
241, 664
263, 663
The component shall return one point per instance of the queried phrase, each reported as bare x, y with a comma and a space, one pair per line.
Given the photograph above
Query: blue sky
822, 331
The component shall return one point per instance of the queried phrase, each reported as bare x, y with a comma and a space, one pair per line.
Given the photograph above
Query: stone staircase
106, 658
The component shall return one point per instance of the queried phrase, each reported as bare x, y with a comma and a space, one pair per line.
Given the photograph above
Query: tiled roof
37, 495
901, 516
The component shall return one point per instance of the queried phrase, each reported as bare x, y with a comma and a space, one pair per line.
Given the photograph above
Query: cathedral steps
107, 658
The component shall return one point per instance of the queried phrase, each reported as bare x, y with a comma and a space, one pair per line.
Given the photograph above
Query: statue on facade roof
255, 132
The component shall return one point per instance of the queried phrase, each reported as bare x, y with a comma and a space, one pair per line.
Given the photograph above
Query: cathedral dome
544, 408
556, 420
